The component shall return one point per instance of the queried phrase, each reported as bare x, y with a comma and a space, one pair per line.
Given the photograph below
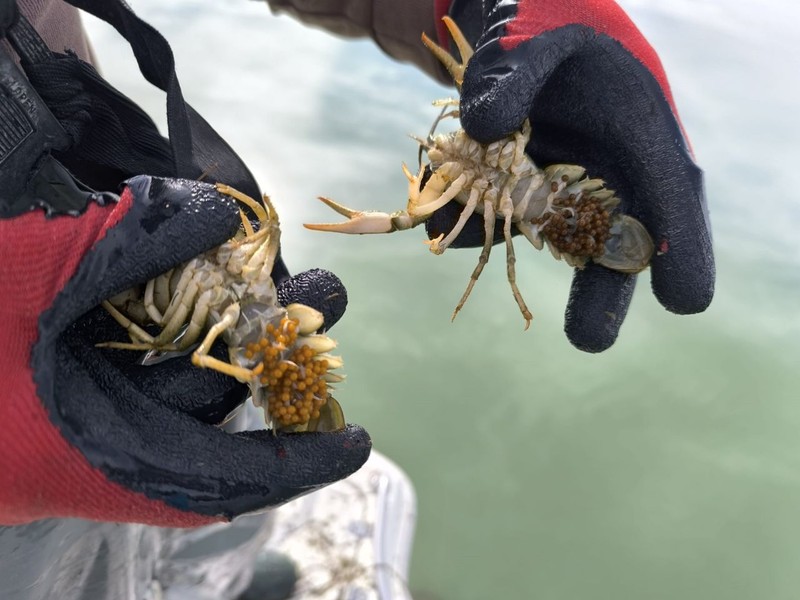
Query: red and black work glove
596, 96
88, 432
91, 434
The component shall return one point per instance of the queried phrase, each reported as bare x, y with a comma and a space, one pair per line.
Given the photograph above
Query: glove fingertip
591, 335
495, 98
290, 465
597, 305
501, 85
490, 112
683, 291
319, 289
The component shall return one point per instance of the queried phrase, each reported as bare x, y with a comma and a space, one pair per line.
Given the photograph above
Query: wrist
395, 27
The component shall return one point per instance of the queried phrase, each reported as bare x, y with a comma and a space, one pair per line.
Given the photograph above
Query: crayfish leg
488, 230
258, 209
439, 245
145, 340
507, 209
200, 357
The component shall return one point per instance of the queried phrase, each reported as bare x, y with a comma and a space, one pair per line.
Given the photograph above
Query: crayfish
558, 206
228, 292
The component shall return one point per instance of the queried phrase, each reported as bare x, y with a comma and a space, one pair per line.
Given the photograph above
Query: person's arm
395, 26
59, 24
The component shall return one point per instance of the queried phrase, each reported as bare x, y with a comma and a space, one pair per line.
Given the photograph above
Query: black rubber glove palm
596, 96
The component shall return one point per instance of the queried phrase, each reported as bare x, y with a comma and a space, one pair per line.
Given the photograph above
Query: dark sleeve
59, 24
395, 25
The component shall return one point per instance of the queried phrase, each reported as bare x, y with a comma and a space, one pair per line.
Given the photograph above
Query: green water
668, 466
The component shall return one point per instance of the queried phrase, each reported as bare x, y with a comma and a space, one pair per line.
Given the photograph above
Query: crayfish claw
340, 208
409, 175
358, 222
434, 244
454, 67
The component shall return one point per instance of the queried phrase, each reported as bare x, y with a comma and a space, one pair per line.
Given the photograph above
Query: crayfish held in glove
558, 206
228, 291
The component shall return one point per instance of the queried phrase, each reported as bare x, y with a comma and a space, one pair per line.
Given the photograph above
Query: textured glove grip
42, 475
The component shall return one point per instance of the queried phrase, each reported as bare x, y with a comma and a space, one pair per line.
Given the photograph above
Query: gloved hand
597, 96
90, 434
